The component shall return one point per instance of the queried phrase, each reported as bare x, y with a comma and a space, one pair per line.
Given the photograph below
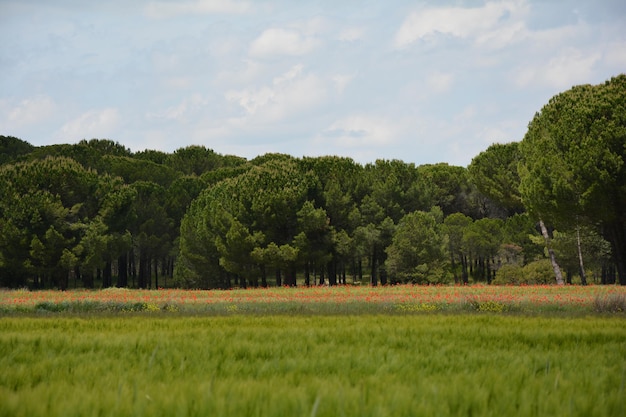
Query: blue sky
420, 81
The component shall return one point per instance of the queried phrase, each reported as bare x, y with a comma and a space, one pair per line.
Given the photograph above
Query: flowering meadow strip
401, 298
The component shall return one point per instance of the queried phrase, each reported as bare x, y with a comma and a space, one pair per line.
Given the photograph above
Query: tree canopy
574, 162
96, 214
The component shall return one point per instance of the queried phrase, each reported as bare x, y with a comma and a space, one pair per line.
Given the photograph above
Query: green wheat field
316, 365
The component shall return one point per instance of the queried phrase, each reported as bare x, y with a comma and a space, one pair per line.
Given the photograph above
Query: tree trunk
608, 274
107, 280
156, 274
88, 279
293, 279
464, 273
307, 274
132, 265
263, 277
332, 273
383, 276
77, 275
144, 270
555, 265
122, 271
583, 276
453, 265
373, 277
617, 238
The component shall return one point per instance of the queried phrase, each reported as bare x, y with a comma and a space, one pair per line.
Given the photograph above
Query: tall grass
367, 365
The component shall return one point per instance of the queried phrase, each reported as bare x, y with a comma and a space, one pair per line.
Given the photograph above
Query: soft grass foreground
379, 365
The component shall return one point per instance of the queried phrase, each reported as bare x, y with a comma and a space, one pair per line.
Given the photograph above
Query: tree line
550, 208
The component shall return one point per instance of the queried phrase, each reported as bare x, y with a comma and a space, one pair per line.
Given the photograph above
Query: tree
494, 172
49, 207
12, 148
417, 252
195, 160
373, 235
133, 170
235, 249
314, 239
264, 200
447, 187
574, 162
581, 243
483, 239
152, 229
456, 226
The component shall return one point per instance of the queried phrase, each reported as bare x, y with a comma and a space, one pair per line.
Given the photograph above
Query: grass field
247, 365
399, 351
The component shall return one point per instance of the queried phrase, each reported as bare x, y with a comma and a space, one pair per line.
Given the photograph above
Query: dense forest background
550, 208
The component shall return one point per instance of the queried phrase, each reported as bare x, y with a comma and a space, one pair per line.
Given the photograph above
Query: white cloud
458, 22
351, 34
615, 55
248, 71
165, 9
362, 130
92, 124
289, 93
440, 82
251, 100
555, 38
290, 75
183, 110
502, 36
311, 27
570, 67
28, 112
276, 41
341, 81
178, 83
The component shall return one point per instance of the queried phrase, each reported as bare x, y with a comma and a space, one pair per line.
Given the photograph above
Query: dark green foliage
11, 149
133, 170
494, 172
196, 160
449, 188
76, 215
52, 213
535, 273
574, 162
417, 253
235, 216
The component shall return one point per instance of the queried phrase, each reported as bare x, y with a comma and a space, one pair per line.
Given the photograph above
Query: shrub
51, 306
488, 306
538, 272
417, 307
611, 303
509, 274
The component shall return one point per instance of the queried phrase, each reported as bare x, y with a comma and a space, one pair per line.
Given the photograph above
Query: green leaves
574, 161
51, 209
494, 172
417, 253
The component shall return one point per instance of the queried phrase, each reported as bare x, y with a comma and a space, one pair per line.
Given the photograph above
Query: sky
419, 81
